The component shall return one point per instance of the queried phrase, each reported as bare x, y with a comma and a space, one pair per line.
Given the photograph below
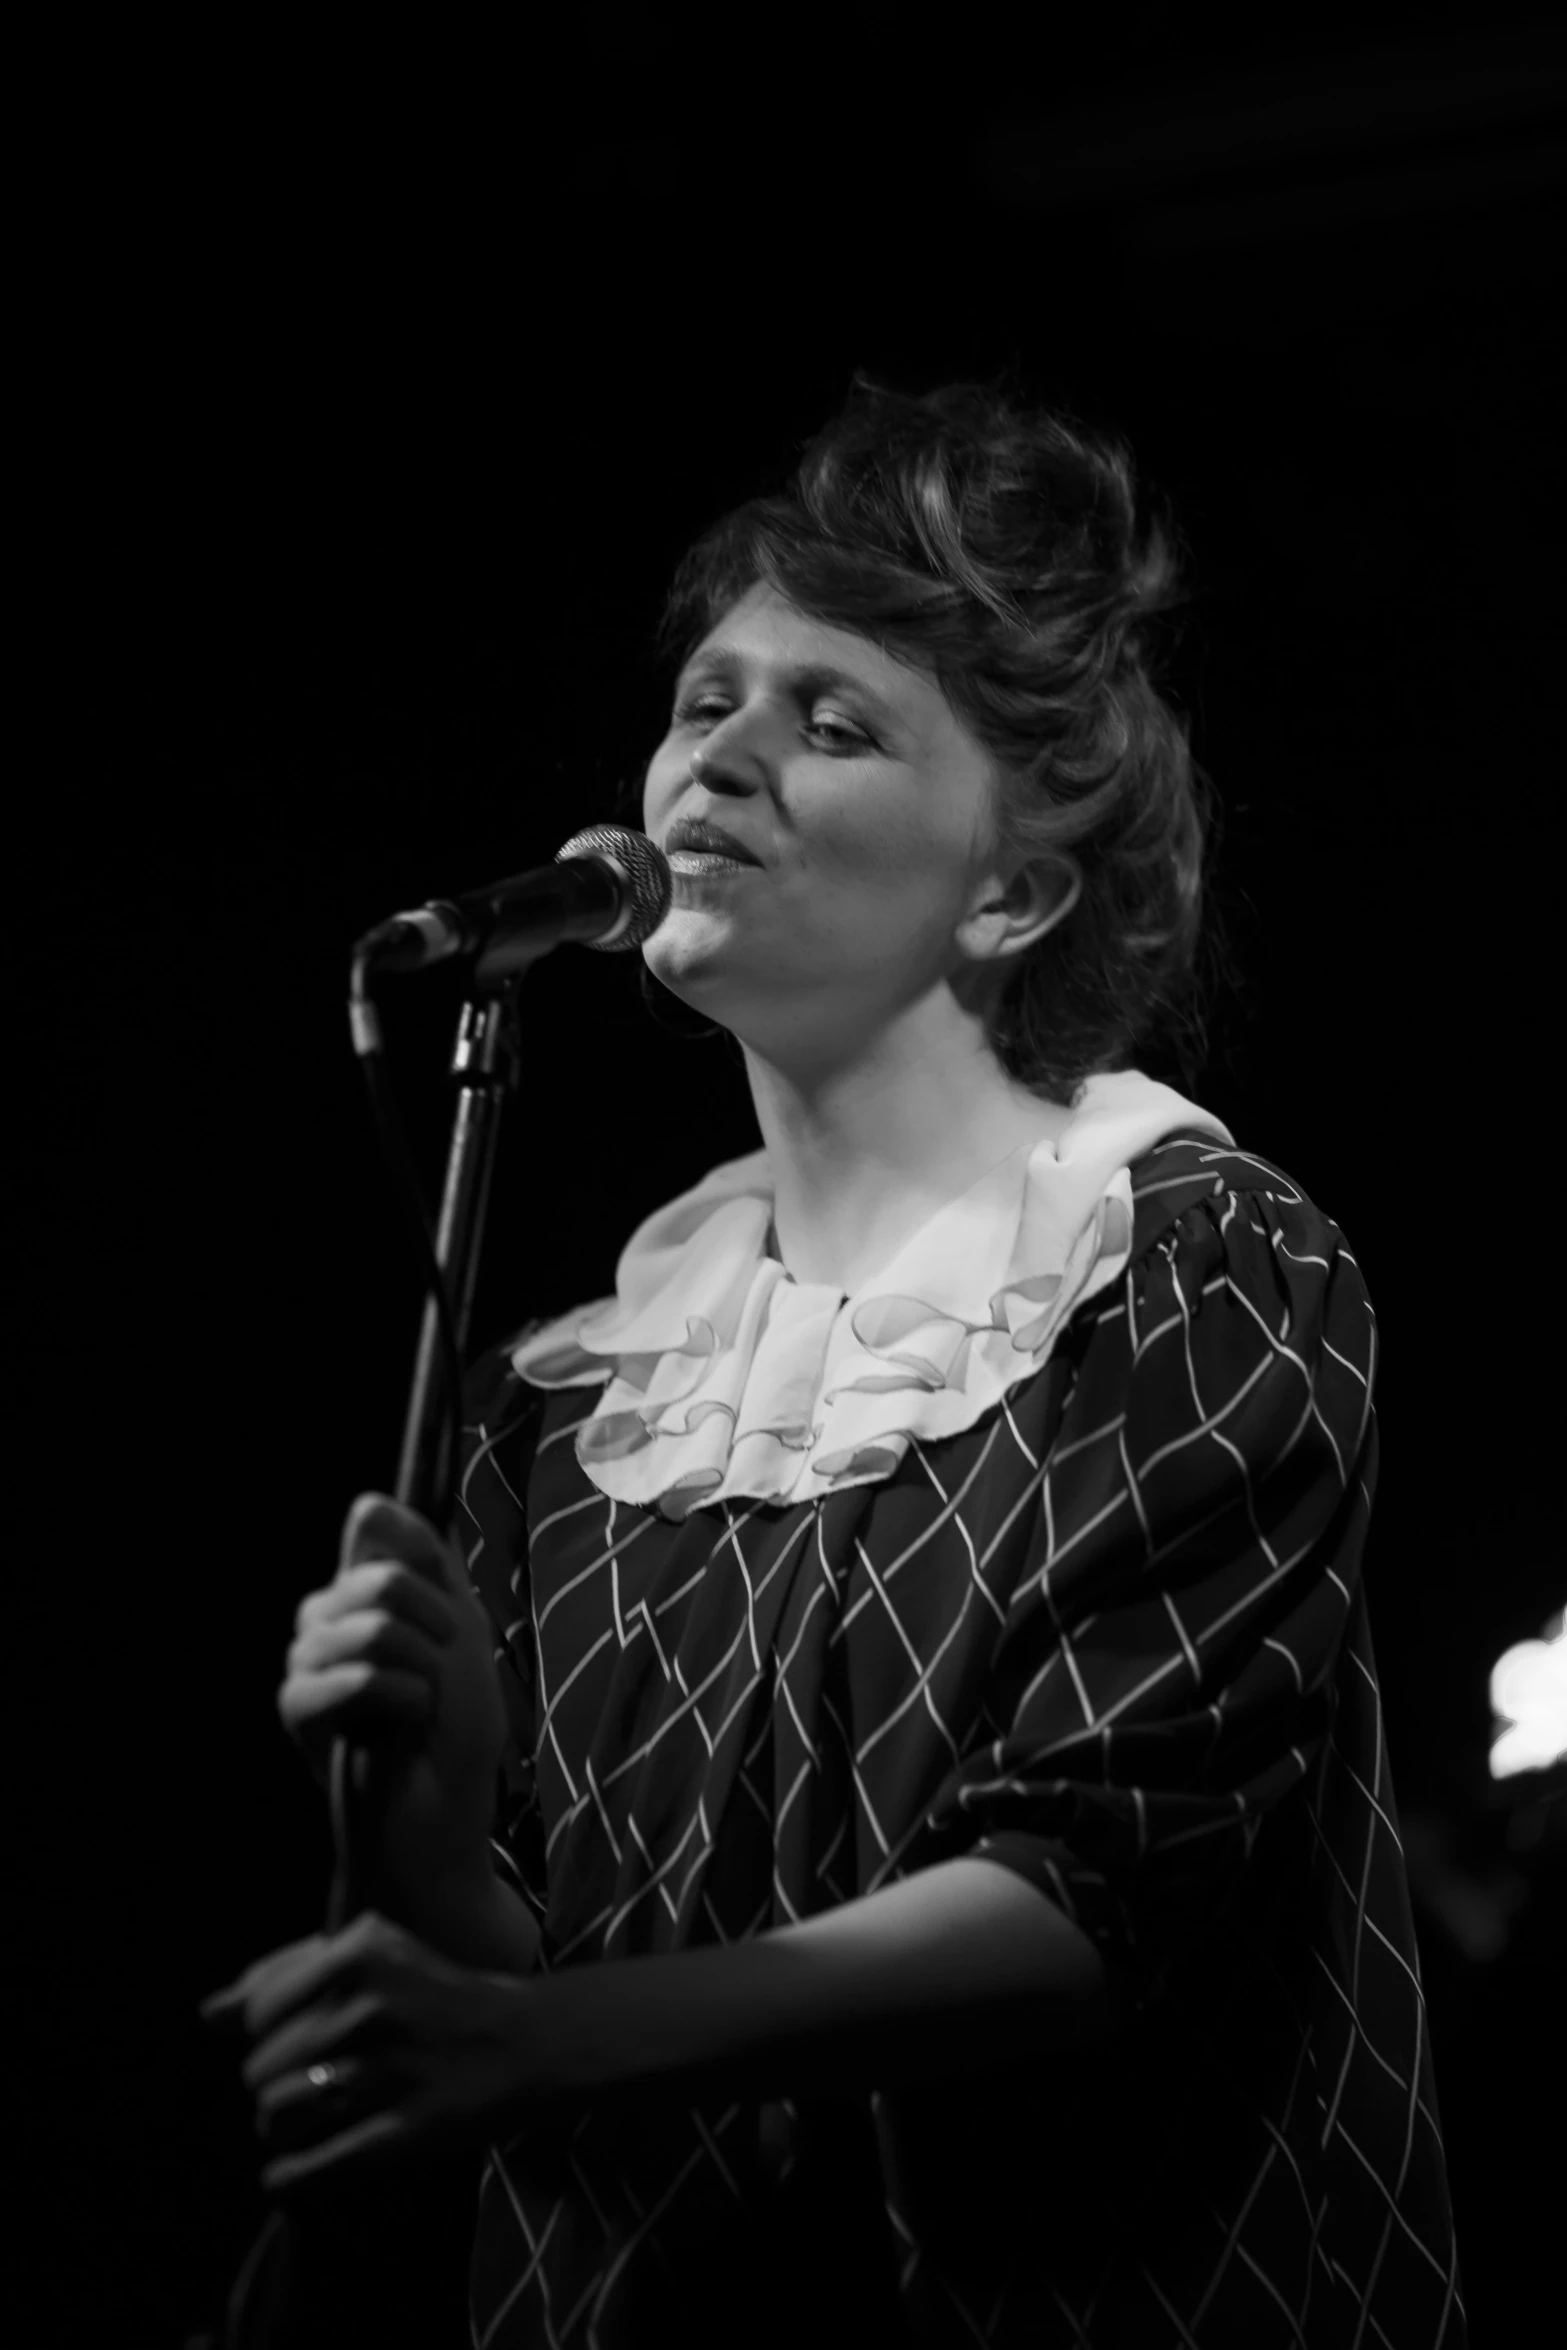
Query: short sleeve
1164, 1679
501, 1426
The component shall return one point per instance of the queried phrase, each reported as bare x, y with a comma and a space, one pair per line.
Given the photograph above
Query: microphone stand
485, 1061
387, 2263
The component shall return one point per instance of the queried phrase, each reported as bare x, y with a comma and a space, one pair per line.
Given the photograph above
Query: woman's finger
377, 1526
317, 2034
368, 1633
354, 1697
371, 2144
259, 1966
315, 2100
294, 1976
386, 1586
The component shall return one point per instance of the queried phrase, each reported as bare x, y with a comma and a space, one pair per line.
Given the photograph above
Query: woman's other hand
368, 2046
397, 1652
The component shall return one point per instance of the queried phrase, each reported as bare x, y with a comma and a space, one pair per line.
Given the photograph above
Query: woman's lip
696, 862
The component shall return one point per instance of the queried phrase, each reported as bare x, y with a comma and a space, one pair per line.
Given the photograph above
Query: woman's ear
1015, 913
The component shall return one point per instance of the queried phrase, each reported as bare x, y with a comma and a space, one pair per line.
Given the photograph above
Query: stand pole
485, 1060
387, 2262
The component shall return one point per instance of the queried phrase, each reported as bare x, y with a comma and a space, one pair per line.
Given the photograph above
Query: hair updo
999, 548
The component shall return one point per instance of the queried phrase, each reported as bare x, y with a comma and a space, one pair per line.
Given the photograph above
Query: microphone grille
644, 872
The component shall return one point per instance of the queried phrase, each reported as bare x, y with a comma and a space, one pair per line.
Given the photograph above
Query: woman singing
944, 1886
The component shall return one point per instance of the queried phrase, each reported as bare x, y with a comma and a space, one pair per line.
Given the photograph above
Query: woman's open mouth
705, 863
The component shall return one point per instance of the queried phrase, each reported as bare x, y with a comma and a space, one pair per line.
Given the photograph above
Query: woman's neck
865, 1151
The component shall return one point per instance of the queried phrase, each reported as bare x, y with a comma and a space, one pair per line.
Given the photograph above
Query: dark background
375, 397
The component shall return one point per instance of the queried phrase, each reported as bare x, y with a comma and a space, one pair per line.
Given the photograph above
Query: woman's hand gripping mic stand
386, 2264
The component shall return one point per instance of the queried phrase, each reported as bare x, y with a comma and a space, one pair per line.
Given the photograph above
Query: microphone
609, 888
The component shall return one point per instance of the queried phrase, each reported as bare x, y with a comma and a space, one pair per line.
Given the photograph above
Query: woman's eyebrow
810, 677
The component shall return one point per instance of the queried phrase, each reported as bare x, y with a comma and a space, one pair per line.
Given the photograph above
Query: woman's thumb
379, 1527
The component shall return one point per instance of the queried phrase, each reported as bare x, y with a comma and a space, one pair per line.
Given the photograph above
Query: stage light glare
1529, 1699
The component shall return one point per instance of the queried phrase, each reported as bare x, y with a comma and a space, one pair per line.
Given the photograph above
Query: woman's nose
732, 756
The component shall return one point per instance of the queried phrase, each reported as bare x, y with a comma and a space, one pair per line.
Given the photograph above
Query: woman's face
867, 805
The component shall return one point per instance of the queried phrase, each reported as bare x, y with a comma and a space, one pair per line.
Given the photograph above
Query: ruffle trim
725, 1379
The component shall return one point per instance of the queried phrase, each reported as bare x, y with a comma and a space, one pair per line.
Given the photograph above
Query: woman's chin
695, 977
691, 945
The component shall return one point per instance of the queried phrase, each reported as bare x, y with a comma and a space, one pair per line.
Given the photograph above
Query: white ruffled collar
726, 1379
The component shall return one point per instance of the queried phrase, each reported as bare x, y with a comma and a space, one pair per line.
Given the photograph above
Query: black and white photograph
790, 1581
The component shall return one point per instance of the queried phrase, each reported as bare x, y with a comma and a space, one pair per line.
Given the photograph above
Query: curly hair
1004, 550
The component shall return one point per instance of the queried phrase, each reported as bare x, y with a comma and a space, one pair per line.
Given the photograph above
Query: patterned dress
1115, 1637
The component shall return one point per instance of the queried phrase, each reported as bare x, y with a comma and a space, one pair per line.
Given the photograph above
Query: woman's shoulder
1191, 1168
1228, 1215
1238, 1284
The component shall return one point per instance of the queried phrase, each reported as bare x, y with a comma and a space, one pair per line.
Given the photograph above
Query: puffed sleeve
1165, 1674
500, 1432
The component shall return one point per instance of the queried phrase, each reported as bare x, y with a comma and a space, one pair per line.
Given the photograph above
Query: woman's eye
853, 740
709, 706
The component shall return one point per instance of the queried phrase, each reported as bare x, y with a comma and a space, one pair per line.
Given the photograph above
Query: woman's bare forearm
962, 1966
